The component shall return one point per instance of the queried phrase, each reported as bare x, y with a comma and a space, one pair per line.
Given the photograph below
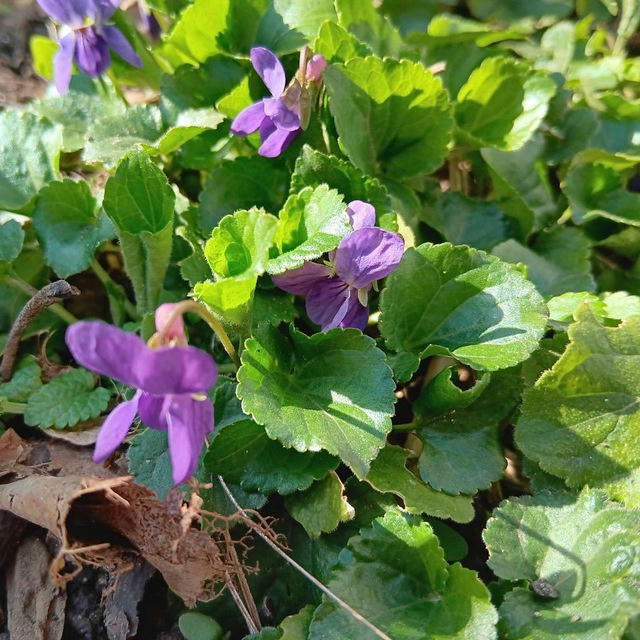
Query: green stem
229, 367
407, 426
6, 406
108, 282
25, 287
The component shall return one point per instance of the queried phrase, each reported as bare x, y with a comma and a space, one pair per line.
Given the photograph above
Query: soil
19, 20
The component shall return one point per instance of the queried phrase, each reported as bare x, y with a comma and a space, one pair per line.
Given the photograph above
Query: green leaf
543, 12
78, 110
338, 45
521, 182
69, 226
193, 38
331, 391
28, 156
11, 241
596, 186
457, 301
24, 381
288, 25
579, 418
188, 125
311, 223
196, 626
273, 306
395, 575
244, 455
502, 104
66, 400
240, 244
112, 136
237, 253
562, 308
201, 87
478, 223
296, 627
558, 262
392, 117
149, 461
389, 474
444, 393
241, 183
369, 26
43, 50
314, 168
461, 449
140, 202
322, 507
141, 126
586, 552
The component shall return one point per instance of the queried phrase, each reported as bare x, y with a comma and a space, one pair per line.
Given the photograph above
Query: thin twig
25, 287
238, 600
48, 295
341, 603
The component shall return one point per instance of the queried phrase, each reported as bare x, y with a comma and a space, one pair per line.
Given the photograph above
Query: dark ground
19, 20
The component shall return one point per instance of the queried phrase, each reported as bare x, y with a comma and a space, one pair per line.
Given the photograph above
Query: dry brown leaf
35, 607
57, 487
81, 437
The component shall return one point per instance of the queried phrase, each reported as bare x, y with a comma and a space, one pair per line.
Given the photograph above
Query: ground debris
35, 606
104, 520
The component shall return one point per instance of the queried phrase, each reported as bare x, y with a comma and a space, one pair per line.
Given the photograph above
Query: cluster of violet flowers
86, 38
337, 293
172, 379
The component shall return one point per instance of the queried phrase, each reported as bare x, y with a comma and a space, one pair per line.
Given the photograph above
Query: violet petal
176, 370
92, 52
248, 120
277, 142
102, 10
328, 302
106, 350
114, 428
69, 12
189, 421
116, 40
299, 281
361, 214
153, 410
368, 254
63, 63
280, 115
270, 69
357, 316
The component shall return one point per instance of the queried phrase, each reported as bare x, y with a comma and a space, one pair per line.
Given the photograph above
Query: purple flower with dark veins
282, 117
337, 294
172, 381
86, 41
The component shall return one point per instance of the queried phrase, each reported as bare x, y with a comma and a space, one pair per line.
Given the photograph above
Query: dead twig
55, 292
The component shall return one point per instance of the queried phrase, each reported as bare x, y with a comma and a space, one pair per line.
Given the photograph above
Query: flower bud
315, 68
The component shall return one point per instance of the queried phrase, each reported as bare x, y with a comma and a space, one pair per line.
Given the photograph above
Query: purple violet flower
337, 294
171, 381
280, 118
87, 43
